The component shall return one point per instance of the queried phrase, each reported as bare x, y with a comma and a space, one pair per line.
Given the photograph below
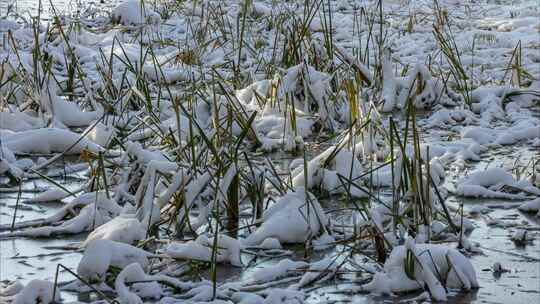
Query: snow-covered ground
270, 152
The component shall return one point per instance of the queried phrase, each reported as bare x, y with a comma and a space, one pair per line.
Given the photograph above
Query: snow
37, 291
521, 236
135, 12
122, 228
148, 290
48, 140
203, 293
270, 243
96, 209
523, 130
139, 106
318, 270
277, 295
282, 269
487, 183
145, 285
247, 298
430, 261
48, 196
12, 289
228, 250
18, 121
101, 254
68, 113
530, 206
100, 134
325, 241
292, 219
131, 273
445, 118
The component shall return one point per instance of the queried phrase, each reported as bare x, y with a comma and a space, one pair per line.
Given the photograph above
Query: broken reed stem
16, 206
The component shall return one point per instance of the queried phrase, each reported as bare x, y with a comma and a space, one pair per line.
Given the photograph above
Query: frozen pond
27, 259
388, 161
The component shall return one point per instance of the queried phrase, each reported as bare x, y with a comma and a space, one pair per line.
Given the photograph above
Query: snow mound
99, 255
122, 228
135, 12
490, 183
48, 140
37, 291
18, 121
527, 129
431, 264
96, 210
292, 219
201, 249
280, 270
531, 206
131, 273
